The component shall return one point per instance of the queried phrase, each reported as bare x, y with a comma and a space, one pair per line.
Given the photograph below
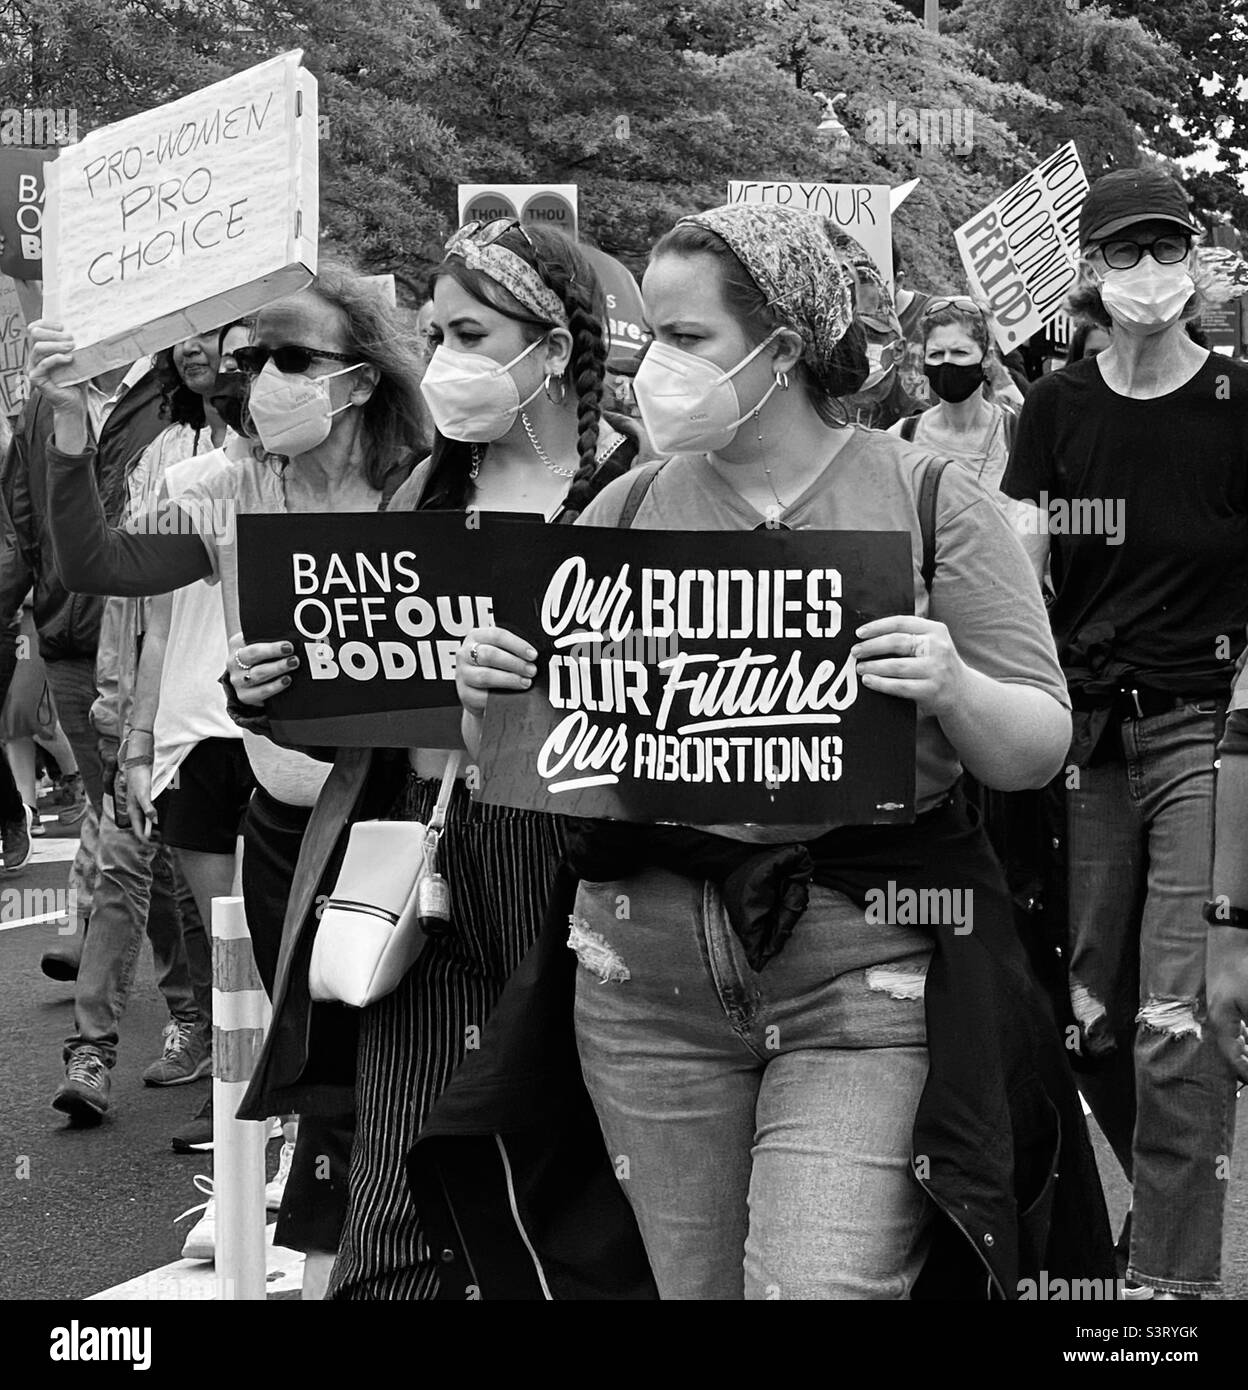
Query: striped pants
500, 864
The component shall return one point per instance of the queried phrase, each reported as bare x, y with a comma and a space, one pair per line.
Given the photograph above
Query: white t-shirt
192, 703
223, 490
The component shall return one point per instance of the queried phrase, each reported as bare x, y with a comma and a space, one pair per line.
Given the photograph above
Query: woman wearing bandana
814, 1103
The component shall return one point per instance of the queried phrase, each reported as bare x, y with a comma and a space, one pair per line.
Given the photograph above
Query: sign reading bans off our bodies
376, 606
701, 678
1020, 253
180, 219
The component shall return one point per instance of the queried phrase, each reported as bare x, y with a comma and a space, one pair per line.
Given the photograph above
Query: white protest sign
13, 345
178, 220
544, 204
861, 209
1020, 253
898, 195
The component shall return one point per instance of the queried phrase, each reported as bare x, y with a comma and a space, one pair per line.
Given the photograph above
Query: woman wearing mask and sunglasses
816, 1115
514, 387
335, 409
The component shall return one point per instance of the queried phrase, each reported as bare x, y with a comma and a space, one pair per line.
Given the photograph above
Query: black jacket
68, 624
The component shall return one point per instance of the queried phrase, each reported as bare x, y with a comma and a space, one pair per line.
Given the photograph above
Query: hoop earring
563, 389
782, 380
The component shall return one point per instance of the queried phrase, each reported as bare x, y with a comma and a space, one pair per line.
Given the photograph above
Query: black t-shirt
1156, 575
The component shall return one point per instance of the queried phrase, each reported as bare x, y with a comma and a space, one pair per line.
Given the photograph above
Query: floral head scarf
795, 259
477, 245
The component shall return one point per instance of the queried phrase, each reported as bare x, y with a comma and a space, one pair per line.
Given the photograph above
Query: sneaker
186, 1057
196, 1135
36, 824
83, 1095
201, 1239
71, 798
275, 1190
15, 842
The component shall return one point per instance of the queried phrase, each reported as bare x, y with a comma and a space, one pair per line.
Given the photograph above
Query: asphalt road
84, 1209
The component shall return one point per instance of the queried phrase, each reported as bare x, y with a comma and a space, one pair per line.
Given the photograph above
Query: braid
586, 371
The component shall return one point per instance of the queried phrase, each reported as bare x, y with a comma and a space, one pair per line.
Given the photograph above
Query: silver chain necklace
541, 453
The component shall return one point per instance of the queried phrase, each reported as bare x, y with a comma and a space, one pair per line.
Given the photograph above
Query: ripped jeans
1140, 835
760, 1124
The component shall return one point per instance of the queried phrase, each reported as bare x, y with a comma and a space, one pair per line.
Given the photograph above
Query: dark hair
748, 304
565, 271
395, 429
1078, 349
178, 403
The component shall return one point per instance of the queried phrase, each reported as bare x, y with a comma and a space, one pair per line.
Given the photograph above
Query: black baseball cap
1128, 196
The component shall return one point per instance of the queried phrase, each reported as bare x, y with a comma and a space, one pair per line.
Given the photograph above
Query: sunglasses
954, 301
486, 233
1165, 250
290, 359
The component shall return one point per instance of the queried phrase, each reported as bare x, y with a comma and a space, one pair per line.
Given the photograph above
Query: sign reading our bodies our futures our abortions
376, 605
700, 678
178, 220
864, 210
1020, 253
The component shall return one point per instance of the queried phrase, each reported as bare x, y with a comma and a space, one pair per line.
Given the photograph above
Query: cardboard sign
178, 220
1020, 253
701, 678
861, 209
543, 204
14, 386
22, 210
376, 606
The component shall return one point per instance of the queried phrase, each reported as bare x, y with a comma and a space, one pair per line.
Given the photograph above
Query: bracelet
139, 761
1219, 913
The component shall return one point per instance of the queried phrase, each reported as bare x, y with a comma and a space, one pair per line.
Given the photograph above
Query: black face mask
955, 381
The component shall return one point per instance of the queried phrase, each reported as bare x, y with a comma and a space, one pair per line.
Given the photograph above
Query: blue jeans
760, 1124
139, 887
1140, 837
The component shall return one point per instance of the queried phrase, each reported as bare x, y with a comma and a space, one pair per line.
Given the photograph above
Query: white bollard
240, 1015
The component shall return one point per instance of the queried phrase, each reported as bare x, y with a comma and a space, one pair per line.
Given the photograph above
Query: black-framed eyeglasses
952, 301
1122, 254
290, 359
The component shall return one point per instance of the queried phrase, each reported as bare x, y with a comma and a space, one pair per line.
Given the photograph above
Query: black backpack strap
909, 424
637, 492
929, 490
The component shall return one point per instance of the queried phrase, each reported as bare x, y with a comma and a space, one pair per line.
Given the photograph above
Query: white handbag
370, 932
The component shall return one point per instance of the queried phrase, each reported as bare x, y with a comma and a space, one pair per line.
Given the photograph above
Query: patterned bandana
795, 259
477, 246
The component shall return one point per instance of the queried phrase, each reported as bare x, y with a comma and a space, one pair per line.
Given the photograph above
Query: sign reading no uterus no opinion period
177, 220
1020, 253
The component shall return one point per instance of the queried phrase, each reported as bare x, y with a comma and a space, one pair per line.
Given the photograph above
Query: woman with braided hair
514, 388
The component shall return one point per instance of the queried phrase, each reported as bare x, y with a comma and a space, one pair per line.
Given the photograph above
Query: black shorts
203, 807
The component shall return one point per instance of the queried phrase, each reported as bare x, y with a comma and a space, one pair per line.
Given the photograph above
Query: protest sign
703, 678
544, 204
183, 218
13, 345
22, 211
1020, 253
898, 195
861, 209
626, 314
376, 606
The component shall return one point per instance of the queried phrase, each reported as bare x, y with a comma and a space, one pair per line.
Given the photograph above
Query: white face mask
688, 404
292, 414
471, 397
1148, 297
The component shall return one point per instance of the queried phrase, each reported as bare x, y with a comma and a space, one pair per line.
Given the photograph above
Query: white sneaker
275, 1190
275, 1130
201, 1239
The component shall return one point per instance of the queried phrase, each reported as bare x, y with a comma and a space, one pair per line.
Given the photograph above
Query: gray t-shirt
984, 591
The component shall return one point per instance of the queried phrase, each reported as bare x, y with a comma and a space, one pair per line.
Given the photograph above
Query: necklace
541, 453
772, 486
478, 453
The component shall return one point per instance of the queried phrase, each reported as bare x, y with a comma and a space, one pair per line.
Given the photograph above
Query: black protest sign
21, 211
376, 606
701, 678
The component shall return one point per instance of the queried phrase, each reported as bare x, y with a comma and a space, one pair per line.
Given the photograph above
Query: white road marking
31, 921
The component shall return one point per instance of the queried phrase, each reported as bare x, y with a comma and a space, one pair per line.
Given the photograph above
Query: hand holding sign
913, 658
491, 658
258, 670
52, 348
